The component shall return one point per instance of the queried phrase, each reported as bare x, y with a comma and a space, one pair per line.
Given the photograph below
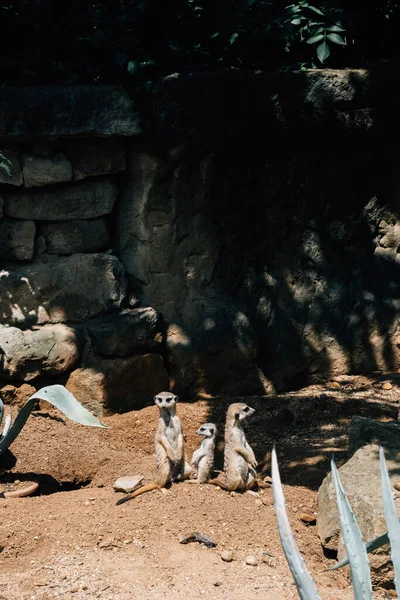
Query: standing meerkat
169, 445
239, 461
203, 457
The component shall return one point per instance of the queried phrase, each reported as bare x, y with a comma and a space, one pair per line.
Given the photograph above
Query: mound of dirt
72, 541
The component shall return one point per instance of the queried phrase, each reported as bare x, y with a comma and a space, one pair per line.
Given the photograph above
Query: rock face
16, 393
86, 200
69, 289
25, 355
45, 170
129, 332
119, 384
360, 476
95, 157
17, 239
76, 236
64, 111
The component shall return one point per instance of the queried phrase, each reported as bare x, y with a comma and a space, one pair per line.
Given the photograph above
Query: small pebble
396, 485
386, 385
87, 503
251, 560
17, 482
308, 519
258, 502
335, 384
217, 583
227, 555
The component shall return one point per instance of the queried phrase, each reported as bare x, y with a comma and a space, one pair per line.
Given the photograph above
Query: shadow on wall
308, 244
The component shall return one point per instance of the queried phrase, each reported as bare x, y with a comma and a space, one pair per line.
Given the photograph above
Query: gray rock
63, 111
127, 484
68, 289
24, 355
119, 384
76, 236
363, 431
95, 157
361, 481
17, 239
126, 333
39, 170
10, 167
85, 200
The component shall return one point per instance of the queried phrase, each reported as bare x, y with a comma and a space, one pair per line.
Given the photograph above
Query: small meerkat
169, 445
239, 461
203, 457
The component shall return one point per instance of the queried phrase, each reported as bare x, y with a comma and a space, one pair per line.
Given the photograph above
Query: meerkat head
166, 400
208, 430
239, 411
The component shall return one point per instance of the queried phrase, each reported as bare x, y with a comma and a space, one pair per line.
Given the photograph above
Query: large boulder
95, 157
361, 480
24, 355
85, 200
65, 111
45, 170
76, 236
119, 384
129, 332
68, 289
17, 239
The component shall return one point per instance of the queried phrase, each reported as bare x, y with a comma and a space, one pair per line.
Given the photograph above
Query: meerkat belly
237, 466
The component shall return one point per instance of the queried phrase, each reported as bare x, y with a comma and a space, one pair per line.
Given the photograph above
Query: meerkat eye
169, 400
211, 431
246, 409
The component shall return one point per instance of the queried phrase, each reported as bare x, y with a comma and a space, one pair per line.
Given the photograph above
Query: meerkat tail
142, 490
31, 489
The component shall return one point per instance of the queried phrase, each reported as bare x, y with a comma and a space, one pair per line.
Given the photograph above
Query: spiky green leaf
62, 399
352, 537
392, 519
304, 582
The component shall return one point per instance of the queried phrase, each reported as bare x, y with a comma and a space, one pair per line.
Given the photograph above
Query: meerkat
169, 445
239, 461
203, 458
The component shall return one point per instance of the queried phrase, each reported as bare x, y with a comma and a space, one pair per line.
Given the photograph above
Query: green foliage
122, 41
356, 549
58, 396
316, 26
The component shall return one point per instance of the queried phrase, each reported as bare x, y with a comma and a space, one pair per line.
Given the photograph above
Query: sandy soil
72, 541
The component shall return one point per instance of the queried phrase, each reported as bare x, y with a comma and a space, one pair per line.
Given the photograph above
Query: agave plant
58, 396
356, 548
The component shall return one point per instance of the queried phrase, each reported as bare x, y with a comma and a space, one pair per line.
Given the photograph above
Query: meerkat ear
176, 398
155, 398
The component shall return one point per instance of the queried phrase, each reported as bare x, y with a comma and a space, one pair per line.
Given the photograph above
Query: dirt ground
72, 542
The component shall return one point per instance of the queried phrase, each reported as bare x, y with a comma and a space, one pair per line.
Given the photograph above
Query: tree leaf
315, 38
233, 38
335, 28
323, 51
316, 10
336, 39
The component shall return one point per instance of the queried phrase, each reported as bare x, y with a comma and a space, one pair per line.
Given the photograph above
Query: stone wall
213, 237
